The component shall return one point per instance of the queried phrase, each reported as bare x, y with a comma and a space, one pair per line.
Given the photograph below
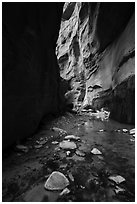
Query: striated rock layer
31, 79
96, 54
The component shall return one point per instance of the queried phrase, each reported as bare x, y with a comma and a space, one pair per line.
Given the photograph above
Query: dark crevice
126, 58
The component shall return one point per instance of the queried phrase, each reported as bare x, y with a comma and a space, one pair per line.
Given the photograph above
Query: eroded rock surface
96, 54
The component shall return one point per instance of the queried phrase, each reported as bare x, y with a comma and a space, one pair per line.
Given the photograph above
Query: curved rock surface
56, 181
96, 53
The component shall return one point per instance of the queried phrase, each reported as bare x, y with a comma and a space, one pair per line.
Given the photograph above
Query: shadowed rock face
96, 47
95, 51
31, 81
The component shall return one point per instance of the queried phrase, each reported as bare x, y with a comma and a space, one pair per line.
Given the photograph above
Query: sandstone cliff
96, 53
31, 81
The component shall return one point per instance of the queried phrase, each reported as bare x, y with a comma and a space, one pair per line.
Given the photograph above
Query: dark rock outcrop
31, 79
99, 42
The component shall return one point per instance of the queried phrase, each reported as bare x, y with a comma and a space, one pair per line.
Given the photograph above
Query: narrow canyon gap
95, 44
96, 54
68, 102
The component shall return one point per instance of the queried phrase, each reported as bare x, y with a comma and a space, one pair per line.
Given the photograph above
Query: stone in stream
71, 176
38, 146
95, 151
76, 158
100, 157
65, 192
117, 179
125, 130
72, 137
67, 145
63, 166
101, 130
79, 153
22, 148
55, 142
118, 189
132, 140
68, 153
118, 130
132, 131
41, 142
56, 181
83, 110
103, 114
59, 130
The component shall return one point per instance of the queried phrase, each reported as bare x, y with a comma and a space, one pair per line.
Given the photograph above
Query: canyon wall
96, 54
31, 79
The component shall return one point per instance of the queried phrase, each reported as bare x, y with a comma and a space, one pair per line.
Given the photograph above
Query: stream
89, 174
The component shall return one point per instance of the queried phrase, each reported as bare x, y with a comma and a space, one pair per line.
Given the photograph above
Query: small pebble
55, 142
95, 151
64, 192
125, 130
117, 179
37, 146
118, 189
71, 177
68, 153
101, 130
79, 153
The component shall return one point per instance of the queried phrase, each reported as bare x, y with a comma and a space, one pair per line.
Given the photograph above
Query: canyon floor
90, 175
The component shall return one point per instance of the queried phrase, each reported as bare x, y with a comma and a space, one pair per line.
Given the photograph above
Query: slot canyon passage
68, 123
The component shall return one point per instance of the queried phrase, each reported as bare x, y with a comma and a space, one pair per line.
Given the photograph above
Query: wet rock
72, 137
100, 157
71, 176
56, 181
63, 166
117, 179
117, 130
55, 142
82, 187
65, 192
68, 153
79, 153
125, 130
41, 142
67, 145
59, 130
132, 140
101, 130
38, 146
84, 110
95, 151
103, 114
22, 148
118, 189
132, 131
76, 158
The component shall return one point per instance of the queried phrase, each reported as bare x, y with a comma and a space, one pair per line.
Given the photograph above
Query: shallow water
91, 172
